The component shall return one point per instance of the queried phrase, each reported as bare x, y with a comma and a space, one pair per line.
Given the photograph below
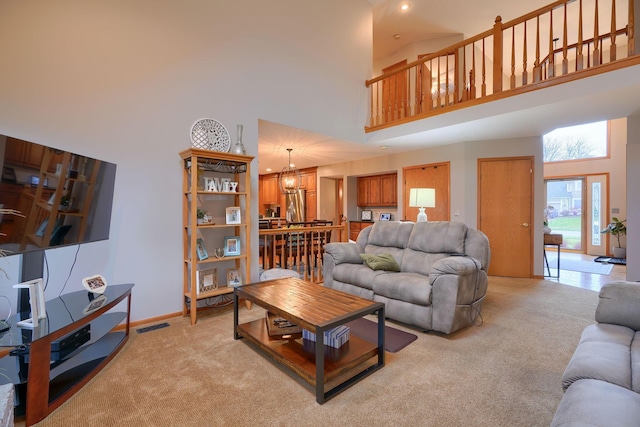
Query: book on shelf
206, 280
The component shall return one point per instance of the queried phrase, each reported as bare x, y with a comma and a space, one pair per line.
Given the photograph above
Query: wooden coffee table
316, 309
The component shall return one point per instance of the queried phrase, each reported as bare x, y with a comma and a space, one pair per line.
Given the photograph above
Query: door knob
525, 224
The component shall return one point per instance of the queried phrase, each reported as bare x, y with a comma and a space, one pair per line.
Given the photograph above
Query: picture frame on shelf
385, 217
234, 277
207, 280
95, 284
233, 215
201, 250
231, 245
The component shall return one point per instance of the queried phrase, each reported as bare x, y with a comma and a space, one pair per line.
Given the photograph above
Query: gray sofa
602, 379
443, 272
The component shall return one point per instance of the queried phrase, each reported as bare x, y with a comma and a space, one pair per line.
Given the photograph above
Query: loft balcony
565, 41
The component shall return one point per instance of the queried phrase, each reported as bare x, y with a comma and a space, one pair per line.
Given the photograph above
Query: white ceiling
525, 115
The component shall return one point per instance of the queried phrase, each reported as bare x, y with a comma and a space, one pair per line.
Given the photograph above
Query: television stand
42, 380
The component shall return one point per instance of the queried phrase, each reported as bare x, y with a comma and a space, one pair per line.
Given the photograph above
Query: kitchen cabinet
270, 191
355, 227
270, 194
28, 154
378, 190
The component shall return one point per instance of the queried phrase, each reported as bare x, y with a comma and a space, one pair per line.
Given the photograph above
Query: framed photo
231, 246
233, 215
201, 250
207, 280
367, 215
385, 217
95, 284
234, 278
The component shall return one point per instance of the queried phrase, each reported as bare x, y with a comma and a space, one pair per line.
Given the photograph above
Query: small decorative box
335, 337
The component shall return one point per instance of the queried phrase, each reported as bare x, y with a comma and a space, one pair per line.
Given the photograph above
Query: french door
576, 207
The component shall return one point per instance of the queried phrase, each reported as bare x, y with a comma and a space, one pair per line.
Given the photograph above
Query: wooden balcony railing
539, 49
299, 247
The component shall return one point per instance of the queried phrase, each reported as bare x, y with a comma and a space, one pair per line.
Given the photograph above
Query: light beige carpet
504, 373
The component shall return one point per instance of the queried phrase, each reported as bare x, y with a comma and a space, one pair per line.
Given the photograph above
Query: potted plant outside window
617, 228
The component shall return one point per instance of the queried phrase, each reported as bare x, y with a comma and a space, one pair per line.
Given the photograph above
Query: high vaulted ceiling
525, 115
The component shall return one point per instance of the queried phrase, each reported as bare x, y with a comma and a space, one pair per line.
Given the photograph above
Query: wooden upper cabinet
28, 154
270, 191
377, 190
389, 190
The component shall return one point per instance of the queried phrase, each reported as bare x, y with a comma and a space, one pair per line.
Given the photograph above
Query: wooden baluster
417, 91
472, 73
513, 57
371, 117
612, 51
551, 69
596, 38
497, 55
524, 56
463, 87
484, 72
446, 90
537, 74
565, 61
579, 55
438, 103
632, 30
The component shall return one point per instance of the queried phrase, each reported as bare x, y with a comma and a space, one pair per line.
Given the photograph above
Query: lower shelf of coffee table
299, 354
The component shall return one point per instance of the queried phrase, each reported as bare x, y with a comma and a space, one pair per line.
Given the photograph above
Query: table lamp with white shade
422, 198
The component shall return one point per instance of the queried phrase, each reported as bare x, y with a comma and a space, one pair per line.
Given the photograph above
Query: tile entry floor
586, 280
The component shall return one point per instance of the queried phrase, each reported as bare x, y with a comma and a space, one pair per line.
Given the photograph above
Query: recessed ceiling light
396, 36
404, 6
268, 169
383, 147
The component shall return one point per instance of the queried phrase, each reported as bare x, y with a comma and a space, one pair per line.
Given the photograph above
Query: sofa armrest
458, 287
459, 265
619, 304
343, 252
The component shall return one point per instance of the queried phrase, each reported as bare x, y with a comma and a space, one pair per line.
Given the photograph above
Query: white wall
633, 198
124, 82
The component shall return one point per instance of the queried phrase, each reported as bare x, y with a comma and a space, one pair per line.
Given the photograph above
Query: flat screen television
59, 198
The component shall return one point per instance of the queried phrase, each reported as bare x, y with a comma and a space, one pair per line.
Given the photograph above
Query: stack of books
335, 337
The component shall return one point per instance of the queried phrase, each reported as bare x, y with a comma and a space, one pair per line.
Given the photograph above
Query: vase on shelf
546, 230
239, 148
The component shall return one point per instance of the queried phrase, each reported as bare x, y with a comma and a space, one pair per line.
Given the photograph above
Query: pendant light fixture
289, 178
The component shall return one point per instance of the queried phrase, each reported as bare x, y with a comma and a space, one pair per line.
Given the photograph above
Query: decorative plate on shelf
210, 134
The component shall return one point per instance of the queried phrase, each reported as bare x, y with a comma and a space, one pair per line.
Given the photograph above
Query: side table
552, 240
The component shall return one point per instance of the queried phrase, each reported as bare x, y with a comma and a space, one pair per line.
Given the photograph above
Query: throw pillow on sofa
381, 262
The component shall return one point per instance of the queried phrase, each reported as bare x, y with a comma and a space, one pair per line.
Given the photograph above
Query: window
586, 141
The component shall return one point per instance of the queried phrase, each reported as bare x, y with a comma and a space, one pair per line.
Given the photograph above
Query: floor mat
394, 339
581, 266
609, 260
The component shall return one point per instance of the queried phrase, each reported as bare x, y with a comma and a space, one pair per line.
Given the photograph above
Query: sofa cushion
438, 237
344, 252
419, 262
409, 287
597, 403
602, 354
390, 233
384, 262
356, 274
618, 303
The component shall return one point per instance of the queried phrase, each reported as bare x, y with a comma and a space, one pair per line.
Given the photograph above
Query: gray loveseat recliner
602, 379
443, 272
